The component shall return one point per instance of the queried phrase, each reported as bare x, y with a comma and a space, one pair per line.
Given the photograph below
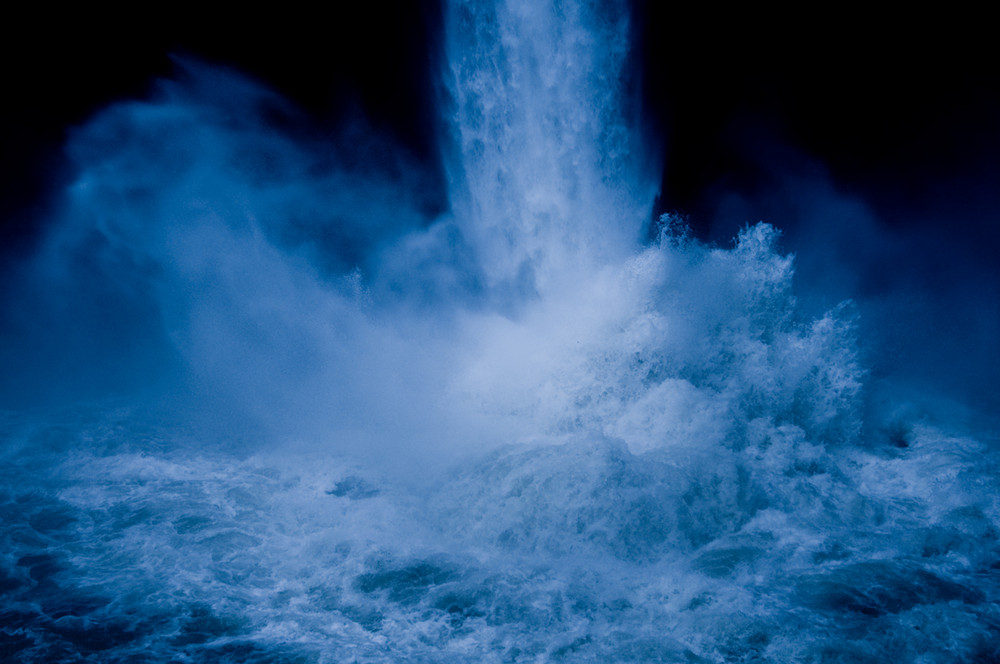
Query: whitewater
540, 426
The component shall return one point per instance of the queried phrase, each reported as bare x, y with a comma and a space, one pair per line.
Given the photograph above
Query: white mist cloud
294, 296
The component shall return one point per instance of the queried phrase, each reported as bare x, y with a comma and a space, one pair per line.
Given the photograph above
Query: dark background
895, 108
872, 141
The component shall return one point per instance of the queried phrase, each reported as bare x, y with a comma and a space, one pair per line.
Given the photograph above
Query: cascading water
546, 172
515, 433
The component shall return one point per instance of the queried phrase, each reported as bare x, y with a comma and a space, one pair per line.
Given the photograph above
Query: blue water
517, 432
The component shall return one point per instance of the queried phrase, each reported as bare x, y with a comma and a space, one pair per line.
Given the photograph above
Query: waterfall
547, 167
291, 416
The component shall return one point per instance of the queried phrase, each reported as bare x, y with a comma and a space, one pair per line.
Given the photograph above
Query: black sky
895, 107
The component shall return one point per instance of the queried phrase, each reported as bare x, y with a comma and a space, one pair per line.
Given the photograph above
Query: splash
346, 428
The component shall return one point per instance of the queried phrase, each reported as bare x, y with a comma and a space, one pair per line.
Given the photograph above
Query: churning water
517, 432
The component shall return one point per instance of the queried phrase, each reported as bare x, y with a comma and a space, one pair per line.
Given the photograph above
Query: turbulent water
518, 432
